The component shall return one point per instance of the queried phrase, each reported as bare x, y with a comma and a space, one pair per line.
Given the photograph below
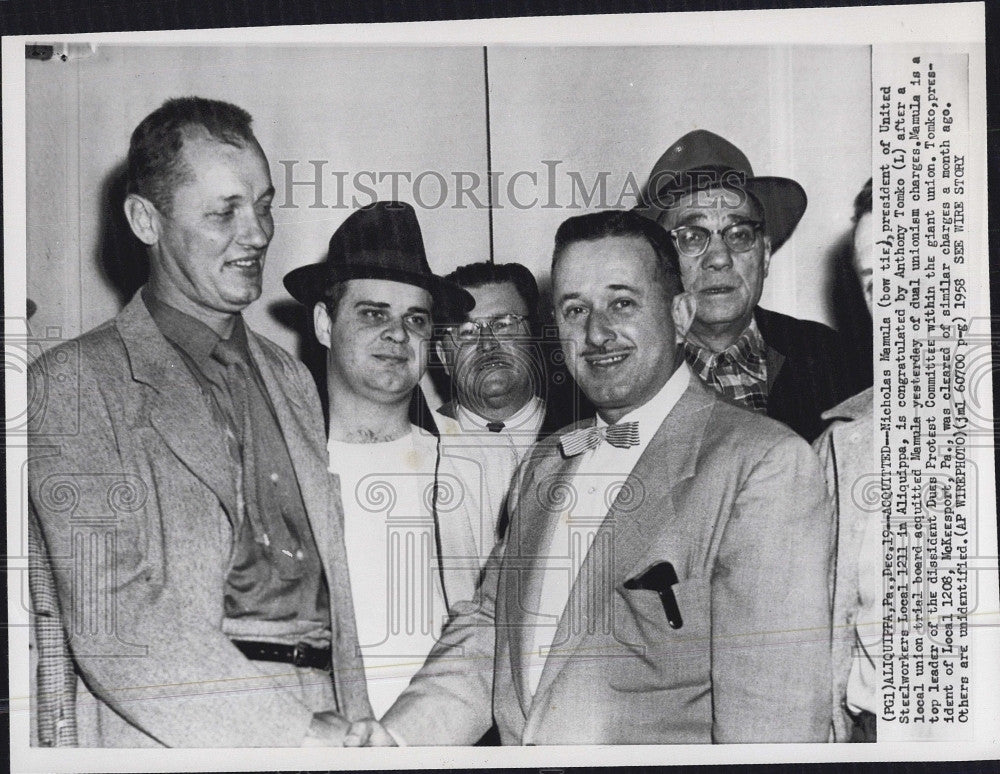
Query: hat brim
784, 202
307, 284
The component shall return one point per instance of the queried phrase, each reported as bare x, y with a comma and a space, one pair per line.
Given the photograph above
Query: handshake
328, 729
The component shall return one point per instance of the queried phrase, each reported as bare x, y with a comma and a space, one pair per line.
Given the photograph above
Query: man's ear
767, 254
322, 323
143, 218
683, 310
442, 354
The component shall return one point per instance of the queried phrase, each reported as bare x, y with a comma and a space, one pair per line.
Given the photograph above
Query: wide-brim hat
701, 160
379, 241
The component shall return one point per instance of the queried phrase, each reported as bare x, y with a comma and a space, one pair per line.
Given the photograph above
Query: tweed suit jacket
131, 486
848, 457
737, 503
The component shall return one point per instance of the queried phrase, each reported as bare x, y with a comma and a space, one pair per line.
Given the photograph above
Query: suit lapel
180, 407
180, 413
540, 508
774, 359
626, 541
670, 459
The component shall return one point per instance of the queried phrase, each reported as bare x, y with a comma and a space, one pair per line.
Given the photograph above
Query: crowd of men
650, 554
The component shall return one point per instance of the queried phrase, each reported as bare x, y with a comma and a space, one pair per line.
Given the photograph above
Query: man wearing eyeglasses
489, 353
504, 380
725, 224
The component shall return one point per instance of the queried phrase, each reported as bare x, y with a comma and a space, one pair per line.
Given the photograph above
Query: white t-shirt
392, 557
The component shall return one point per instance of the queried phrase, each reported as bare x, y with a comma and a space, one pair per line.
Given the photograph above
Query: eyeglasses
501, 327
692, 241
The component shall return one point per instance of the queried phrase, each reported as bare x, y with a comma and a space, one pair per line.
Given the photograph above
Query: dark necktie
228, 355
266, 518
495, 427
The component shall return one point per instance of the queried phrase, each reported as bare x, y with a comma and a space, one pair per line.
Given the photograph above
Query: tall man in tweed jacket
178, 476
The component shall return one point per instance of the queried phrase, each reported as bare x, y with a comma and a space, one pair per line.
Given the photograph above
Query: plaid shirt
739, 372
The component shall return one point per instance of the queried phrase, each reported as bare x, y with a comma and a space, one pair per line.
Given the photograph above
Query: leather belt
302, 654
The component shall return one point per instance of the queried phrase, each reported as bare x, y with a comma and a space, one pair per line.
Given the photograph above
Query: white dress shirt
520, 428
495, 454
598, 479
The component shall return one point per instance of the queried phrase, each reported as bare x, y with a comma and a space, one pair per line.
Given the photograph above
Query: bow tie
622, 435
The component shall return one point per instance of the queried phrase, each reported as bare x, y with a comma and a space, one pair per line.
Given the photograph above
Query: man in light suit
178, 481
664, 578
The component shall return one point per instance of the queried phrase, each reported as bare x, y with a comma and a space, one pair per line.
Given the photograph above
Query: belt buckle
299, 654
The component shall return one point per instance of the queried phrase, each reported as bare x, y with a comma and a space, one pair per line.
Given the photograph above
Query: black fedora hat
379, 241
700, 160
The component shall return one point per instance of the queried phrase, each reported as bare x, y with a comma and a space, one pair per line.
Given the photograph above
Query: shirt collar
193, 337
522, 419
748, 351
650, 415
853, 408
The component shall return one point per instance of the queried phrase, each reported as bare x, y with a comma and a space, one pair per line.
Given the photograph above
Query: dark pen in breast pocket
660, 578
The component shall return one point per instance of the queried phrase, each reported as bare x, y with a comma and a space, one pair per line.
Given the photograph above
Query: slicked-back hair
863, 201
475, 275
628, 224
155, 167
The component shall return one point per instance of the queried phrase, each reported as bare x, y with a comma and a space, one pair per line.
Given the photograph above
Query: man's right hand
368, 733
327, 729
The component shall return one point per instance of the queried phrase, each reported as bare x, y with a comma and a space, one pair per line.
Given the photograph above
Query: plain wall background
796, 111
406, 109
